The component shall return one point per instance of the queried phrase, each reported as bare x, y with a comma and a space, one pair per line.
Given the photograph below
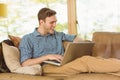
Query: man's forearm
39, 60
29, 62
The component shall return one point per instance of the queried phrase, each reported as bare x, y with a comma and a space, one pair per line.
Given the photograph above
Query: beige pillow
12, 56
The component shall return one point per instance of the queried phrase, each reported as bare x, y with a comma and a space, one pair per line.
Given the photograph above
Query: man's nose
54, 24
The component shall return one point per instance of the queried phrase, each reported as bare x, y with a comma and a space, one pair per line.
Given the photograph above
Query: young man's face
49, 24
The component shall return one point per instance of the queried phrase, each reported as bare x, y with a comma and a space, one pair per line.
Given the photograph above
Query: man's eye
52, 22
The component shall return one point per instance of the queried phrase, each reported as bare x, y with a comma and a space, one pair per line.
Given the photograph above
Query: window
22, 16
97, 15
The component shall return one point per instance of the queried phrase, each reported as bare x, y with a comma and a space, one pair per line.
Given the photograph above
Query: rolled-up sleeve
25, 49
68, 37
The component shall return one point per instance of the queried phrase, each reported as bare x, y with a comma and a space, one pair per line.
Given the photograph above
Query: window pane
22, 16
97, 15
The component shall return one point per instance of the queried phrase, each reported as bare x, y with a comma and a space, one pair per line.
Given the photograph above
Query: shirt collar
36, 33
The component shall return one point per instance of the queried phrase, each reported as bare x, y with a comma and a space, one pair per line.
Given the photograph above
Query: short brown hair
45, 12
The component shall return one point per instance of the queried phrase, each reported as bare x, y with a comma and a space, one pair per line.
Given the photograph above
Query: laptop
72, 52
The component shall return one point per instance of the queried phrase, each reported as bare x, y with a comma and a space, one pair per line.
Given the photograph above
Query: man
46, 44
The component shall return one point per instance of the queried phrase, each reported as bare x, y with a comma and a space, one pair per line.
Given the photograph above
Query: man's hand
78, 39
54, 57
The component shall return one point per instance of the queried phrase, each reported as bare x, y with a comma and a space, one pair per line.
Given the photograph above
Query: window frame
72, 19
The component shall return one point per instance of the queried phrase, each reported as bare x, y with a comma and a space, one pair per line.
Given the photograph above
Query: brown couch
107, 44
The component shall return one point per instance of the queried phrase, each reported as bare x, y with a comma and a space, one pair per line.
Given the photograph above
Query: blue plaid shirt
34, 45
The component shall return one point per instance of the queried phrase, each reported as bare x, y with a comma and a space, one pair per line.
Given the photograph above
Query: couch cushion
102, 45
116, 45
93, 76
15, 40
107, 44
3, 67
84, 76
12, 56
11, 76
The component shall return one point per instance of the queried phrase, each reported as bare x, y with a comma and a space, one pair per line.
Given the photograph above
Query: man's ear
41, 21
